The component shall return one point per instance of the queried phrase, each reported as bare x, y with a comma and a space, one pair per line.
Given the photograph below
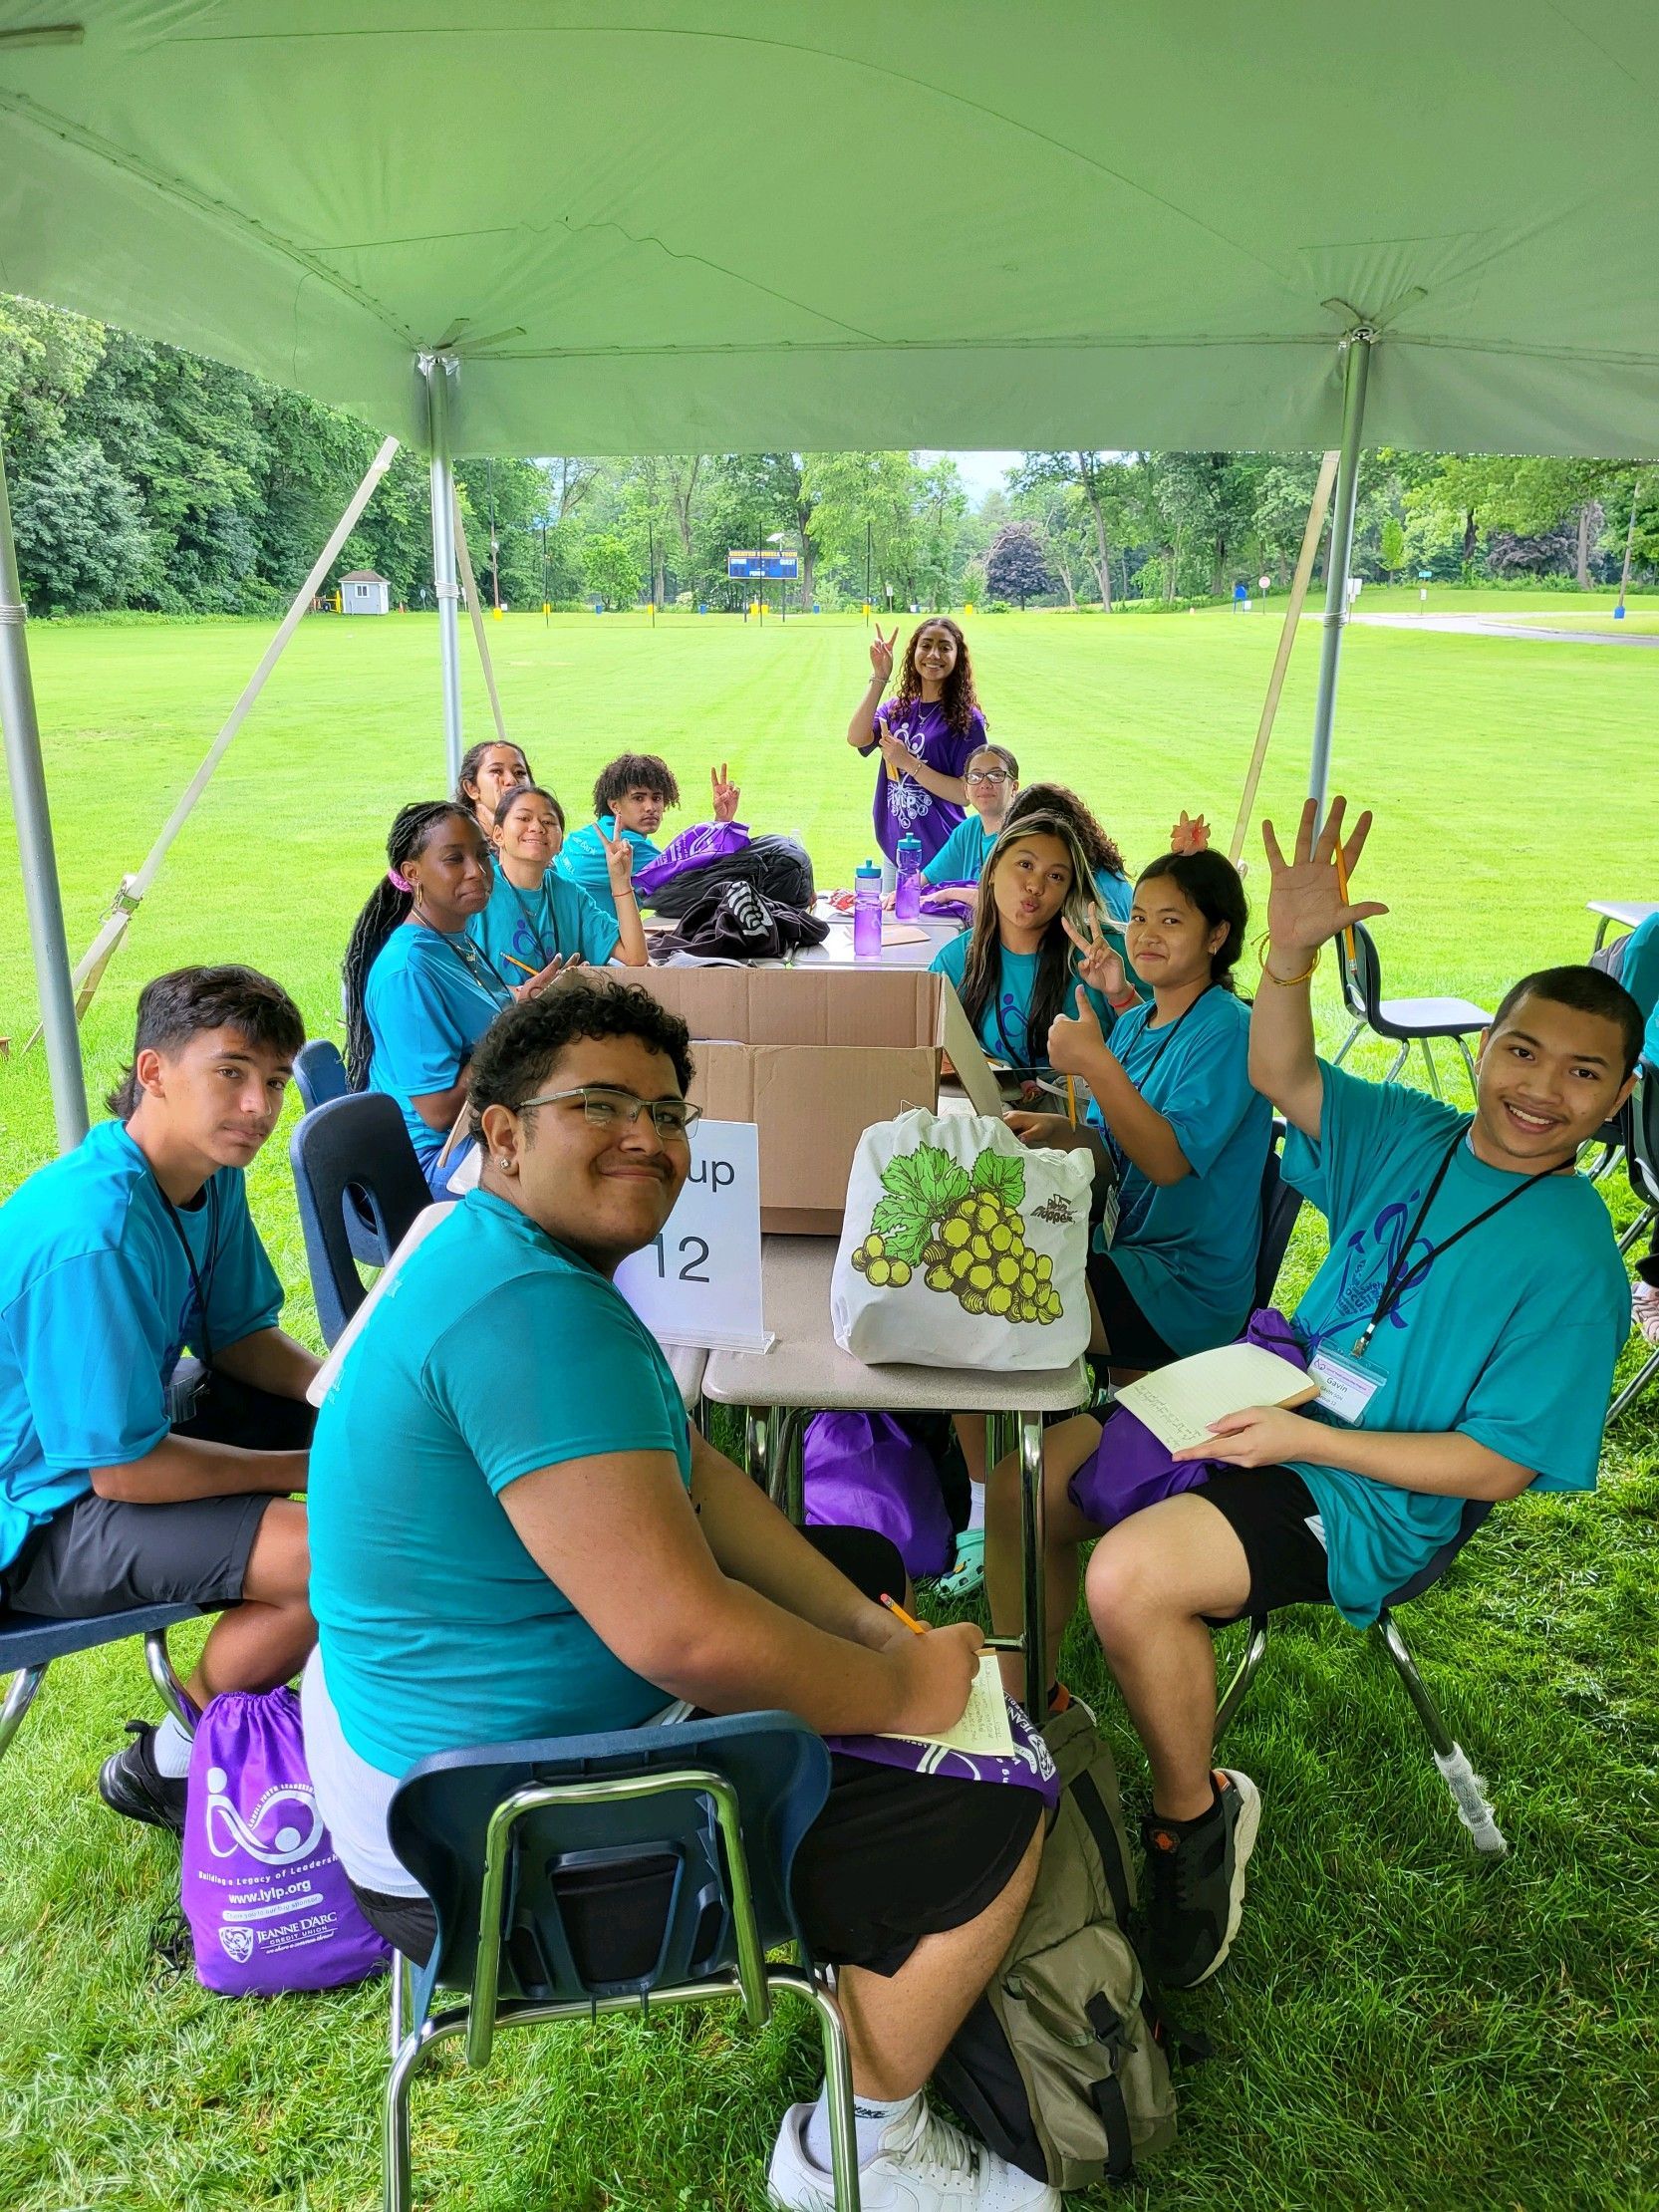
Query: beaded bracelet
1284, 982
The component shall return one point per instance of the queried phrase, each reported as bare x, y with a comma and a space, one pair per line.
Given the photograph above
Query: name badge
1346, 1387
1109, 1216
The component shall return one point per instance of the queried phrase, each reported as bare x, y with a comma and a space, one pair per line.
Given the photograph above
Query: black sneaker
130, 1782
1195, 1881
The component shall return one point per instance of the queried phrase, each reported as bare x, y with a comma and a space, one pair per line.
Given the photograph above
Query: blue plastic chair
1404, 1021
319, 1073
526, 1851
1281, 1202
29, 1642
359, 1186
1467, 1787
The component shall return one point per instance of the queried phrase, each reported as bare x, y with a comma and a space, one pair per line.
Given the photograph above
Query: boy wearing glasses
515, 1533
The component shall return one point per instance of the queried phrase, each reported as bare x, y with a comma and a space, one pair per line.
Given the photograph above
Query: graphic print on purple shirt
902, 808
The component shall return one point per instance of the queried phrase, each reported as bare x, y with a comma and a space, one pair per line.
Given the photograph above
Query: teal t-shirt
1510, 1338
582, 860
96, 1305
1117, 893
1639, 973
437, 1628
962, 857
556, 920
1003, 1027
1186, 1250
430, 998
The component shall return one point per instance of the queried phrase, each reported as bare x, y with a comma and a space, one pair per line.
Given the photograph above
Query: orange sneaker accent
1058, 1699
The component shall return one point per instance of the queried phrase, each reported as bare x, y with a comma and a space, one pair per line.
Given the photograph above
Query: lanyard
1140, 1083
1402, 1275
199, 1292
541, 942
463, 949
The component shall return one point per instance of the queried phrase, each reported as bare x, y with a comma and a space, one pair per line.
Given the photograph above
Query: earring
503, 1161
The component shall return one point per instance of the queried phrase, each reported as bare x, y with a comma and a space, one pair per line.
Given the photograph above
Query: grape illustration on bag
964, 1230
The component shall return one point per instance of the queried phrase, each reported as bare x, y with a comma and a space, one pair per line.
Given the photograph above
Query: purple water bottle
907, 898
867, 913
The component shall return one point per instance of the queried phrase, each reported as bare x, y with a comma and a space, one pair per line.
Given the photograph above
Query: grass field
1400, 2026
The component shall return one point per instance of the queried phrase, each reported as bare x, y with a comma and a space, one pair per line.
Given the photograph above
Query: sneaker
924, 2165
1644, 1312
1195, 1881
967, 1579
130, 1782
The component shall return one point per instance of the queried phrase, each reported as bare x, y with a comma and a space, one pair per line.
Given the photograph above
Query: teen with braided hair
418, 992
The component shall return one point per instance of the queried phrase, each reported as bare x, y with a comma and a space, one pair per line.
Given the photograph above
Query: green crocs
967, 1579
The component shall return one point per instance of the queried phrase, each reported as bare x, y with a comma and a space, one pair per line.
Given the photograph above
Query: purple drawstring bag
1132, 1468
939, 903
692, 848
1029, 1768
866, 1471
267, 1901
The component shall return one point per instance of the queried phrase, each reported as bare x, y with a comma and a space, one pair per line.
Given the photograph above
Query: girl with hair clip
487, 773
418, 992
927, 733
534, 914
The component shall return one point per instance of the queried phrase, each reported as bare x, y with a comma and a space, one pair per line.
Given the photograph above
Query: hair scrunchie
399, 882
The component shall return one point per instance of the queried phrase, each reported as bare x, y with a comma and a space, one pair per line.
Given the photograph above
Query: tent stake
1356, 369
470, 585
42, 899
438, 370
1282, 658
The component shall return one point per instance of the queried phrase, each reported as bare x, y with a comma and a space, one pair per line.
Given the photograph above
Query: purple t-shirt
903, 807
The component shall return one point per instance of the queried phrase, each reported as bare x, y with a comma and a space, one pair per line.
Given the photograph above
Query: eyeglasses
987, 775
674, 1119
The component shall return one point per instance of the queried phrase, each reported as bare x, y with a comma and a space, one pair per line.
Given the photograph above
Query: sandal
966, 1577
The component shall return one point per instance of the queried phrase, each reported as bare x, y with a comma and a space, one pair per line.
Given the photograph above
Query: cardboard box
813, 1056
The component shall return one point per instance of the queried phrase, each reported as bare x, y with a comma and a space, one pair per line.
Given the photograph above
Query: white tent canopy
720, 226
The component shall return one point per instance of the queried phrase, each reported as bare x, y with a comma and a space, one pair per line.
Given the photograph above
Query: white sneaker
1645, 1311
924, 2165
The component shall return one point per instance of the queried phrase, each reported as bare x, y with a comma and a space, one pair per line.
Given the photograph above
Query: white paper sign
699, 1283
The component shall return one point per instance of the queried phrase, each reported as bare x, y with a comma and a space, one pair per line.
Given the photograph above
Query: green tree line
145, 477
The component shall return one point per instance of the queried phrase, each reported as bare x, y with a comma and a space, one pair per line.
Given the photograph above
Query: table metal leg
789, 1470
1035, 1565
757, 1446
1602, 929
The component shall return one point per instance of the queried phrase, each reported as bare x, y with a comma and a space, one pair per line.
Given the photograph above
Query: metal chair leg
1643, 1221
412, 2055
1399, 1062
789, 1470
168, 1683
1434, 1072
1626, 1397
401, 1979
1244, 1674
19, 1697
1347, 1044
838, 2078
1469, 1065
1466, 1786
757, 1447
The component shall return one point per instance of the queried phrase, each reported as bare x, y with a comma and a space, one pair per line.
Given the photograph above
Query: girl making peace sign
927, 733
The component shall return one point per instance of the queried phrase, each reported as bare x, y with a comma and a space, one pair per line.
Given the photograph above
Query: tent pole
1356, 369
469, 588
42, 899
438, 370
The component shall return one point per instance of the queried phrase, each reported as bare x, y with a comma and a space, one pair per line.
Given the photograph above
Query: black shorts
894, 1856
106, 1555
1268, 1509
1131, 1339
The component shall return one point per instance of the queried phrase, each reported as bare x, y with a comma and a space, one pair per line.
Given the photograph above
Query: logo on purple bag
228, 1832
238, 1944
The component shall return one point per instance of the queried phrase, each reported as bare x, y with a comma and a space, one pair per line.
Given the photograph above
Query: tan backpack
1061, 2066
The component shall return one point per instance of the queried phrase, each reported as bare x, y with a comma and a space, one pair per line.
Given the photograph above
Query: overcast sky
980, 472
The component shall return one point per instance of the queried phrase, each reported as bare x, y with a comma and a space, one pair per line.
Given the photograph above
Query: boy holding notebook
1463, 1330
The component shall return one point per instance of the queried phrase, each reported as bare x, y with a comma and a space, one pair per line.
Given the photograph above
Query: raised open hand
1305, 908
725, 793
1101, 965
881, 653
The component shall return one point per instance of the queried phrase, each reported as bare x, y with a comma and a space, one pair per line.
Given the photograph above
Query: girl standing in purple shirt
927, 732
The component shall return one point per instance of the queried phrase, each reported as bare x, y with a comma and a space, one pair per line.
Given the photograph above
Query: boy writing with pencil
1463, 1330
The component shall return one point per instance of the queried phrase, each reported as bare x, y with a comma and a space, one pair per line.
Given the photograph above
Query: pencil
528, 969
1071, 1102
916, 1627
1342, 894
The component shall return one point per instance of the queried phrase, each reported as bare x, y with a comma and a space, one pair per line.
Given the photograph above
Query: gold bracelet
1284, 982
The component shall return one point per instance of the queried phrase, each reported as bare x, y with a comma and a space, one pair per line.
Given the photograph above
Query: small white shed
362, 591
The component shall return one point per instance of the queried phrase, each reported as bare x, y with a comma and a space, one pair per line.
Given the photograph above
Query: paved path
1491, 626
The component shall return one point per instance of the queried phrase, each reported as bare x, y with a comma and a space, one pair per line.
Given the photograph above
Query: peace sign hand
726, 793
619, 858
881, 653
1101, 965
1305, 908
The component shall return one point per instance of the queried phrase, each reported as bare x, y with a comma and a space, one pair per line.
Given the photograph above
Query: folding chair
358, 1187
319, 1073
1613, 1136
530, 1850
29, 1642
1642, 1167
1281, 1202
1466, 1786
1404, 1021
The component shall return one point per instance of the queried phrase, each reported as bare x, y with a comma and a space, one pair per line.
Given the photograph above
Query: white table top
806, 1367
1628, 911
837, 949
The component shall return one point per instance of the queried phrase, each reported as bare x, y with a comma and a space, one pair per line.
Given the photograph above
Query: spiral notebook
1178, 1403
